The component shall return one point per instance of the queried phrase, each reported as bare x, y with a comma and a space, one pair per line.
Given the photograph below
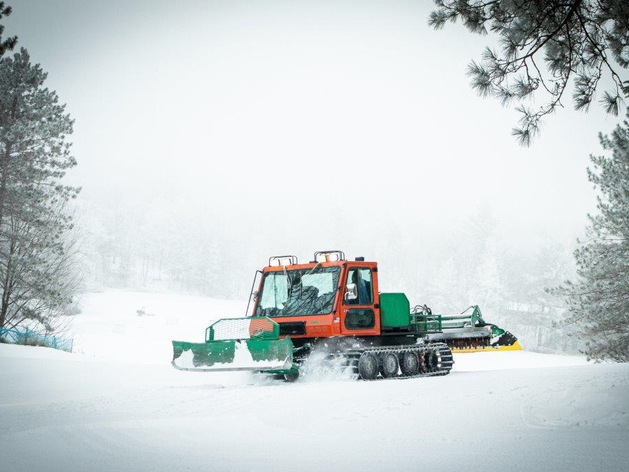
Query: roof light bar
278, 261
329, 256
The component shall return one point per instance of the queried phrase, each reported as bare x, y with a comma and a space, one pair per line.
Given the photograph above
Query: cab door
360, 308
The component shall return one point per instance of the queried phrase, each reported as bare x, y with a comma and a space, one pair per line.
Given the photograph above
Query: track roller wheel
409, 363
367, 366
432, 360
390, 365
423, 368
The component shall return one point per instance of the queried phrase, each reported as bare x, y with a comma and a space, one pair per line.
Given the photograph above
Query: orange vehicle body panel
332, 324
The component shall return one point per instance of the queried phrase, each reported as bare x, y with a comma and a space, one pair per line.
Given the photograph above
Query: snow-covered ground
108, 411
110, 327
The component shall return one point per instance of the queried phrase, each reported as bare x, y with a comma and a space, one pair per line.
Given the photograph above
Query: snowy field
118, 405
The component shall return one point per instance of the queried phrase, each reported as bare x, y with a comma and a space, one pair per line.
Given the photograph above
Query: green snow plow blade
234, 344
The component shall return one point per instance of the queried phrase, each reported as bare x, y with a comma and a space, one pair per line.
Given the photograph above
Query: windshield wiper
314, 268
290, 282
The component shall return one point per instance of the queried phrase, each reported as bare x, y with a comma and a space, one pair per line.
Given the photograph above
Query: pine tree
36, 279
599, 299
6, 44
543, 46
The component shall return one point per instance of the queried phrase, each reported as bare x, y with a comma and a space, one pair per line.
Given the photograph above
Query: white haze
287, 127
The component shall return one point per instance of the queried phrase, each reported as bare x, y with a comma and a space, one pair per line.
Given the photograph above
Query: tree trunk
6, 290
4, 166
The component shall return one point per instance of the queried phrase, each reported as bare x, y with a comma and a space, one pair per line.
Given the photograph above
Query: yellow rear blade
516, 346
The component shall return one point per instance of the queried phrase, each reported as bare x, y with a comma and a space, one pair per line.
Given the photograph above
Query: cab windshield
298, 292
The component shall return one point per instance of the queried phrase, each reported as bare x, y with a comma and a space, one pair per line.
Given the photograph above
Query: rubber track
447, 361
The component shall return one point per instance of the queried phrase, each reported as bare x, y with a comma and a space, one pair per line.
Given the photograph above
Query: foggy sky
301, 115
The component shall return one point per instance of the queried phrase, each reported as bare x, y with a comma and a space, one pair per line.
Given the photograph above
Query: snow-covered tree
599, 299
36, 278
544, 45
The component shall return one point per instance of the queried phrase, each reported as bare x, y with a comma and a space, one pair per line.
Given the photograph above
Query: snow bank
34, 352
100, 416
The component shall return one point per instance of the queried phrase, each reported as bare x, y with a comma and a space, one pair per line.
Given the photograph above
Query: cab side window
360, 318
362, 279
